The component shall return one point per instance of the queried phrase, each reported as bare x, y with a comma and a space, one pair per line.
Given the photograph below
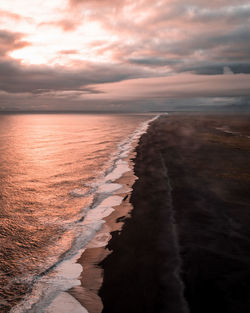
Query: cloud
227, 70
65, 24
178, 86
175, 34
68, 52
141, 51
106, 3
16, 78
154, 61
182, 91
219, 69
9, 15
10, 41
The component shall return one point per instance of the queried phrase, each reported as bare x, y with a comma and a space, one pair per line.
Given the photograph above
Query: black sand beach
186, 247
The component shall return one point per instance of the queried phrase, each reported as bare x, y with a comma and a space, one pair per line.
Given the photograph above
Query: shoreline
132, 272
91, 277
180, 240
186, 246
68, 291
92, 274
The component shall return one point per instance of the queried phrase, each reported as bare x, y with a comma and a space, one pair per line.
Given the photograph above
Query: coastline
91, 277
63, 285
141, 273
184, 245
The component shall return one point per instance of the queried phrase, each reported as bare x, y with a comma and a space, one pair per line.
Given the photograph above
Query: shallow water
56, 174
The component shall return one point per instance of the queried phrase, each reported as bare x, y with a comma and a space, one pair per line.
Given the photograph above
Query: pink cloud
10, 41
10, 15
177, 86
65, 24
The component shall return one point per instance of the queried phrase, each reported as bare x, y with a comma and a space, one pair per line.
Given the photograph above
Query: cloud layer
123, 55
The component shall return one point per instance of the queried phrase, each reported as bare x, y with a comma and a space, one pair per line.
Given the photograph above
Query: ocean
57, 182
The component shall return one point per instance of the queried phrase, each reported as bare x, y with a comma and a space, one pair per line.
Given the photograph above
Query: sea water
57, 183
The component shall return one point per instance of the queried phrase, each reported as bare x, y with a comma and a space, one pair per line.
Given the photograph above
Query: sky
124, 55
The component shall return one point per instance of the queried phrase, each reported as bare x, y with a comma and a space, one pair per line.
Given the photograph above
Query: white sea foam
121, 168
48, 295
65, 303
102, 210
49, 287
101, 238
64, 276
108, 188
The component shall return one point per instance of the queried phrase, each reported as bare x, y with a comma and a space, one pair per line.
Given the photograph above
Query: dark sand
186, 247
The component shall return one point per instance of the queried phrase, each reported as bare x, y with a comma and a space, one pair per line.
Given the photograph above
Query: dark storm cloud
236, 39
231, 14
219, 69
153, 61
194, 13
162, 93
206, 54
15, 78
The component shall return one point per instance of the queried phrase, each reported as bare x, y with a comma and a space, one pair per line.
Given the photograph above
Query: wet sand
186, 246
